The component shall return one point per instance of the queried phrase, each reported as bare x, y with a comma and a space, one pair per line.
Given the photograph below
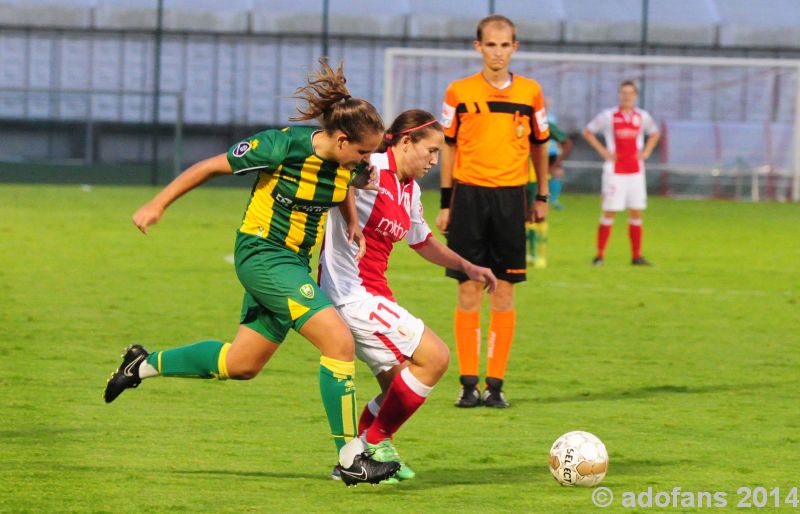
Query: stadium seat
539, 20
777, 23
47, 13
279, 17
669, 24
444, 18
603, 21
181, 15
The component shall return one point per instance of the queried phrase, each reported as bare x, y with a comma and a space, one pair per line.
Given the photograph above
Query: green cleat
385, 451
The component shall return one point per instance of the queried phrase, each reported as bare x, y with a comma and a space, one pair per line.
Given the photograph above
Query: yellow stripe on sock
348, 418
159, 362
222, 365
340, 369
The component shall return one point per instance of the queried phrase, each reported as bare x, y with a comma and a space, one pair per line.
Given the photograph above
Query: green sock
531, 233
339, 398
541, 230
205, 359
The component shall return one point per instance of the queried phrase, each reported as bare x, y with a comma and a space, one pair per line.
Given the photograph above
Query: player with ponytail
301, 173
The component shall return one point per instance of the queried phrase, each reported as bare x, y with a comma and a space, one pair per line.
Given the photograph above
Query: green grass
688, 371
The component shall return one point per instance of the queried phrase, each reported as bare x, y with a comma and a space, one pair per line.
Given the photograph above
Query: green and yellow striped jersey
294, 189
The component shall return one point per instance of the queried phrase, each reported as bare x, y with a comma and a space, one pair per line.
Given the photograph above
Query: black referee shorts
487, 227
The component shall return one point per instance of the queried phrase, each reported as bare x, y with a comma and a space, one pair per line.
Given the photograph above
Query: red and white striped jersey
388, 215
624, 135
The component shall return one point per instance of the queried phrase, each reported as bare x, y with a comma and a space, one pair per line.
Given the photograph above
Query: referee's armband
446, 195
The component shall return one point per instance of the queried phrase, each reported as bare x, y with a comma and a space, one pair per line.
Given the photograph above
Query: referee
494, 121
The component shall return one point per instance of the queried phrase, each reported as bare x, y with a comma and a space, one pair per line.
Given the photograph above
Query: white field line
583, 285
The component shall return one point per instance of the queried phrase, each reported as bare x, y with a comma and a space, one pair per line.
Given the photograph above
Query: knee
503, 298
441, 358
342, 348
470, 296
437, 359
244, 371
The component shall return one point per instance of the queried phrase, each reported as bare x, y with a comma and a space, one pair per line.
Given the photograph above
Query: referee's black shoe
640, 261
127, 374
493, 394
469, 395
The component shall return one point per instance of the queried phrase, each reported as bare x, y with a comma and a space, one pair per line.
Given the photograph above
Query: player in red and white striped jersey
624, 129
407, 357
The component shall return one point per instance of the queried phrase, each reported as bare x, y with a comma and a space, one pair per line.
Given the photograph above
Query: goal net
730, 127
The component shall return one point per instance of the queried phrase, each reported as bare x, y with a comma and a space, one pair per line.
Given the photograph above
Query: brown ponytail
414, 123
330, 103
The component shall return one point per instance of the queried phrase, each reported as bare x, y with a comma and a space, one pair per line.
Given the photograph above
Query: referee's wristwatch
542, 198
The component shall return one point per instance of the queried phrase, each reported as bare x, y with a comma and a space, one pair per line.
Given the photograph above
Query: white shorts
385, 333
623, 190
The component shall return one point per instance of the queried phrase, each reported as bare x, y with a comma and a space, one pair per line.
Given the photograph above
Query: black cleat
366, 470
640, 261
127, 374
493, 394
597, 261
469, 396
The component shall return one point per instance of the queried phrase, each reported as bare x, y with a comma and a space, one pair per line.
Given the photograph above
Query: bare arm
350, 215
448, 159
151, 212
566, 149
597, 145
538, 211
652, 141
436, 252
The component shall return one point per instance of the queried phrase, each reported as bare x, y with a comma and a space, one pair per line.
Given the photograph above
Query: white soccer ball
578, 458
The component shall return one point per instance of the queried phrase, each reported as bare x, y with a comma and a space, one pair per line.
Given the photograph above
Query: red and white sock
368, 415
402, 400
603, 233
635, 233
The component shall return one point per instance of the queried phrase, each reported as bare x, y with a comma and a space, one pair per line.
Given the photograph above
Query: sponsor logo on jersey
382, 190
295, 206
448, 113
392, 229
307, 290
626, 133
241, 149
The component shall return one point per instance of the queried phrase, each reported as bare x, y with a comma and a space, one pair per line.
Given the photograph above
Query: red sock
603, 233
635, 233
368, 415
403, 398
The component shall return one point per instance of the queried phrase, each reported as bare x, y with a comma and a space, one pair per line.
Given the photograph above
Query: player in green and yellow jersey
301, 174
536, 231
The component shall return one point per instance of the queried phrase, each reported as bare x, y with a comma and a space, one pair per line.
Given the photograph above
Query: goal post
722, 118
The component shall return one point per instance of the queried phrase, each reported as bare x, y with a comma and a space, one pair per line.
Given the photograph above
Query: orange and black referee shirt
493, 128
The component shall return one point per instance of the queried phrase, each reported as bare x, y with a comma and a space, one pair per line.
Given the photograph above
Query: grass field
688, 371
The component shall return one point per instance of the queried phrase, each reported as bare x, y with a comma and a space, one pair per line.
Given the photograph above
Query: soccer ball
578, 458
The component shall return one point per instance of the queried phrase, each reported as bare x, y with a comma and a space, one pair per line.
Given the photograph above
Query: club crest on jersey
241, 149
307, 290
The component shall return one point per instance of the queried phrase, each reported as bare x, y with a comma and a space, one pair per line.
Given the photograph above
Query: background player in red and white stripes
407, 357
624, 186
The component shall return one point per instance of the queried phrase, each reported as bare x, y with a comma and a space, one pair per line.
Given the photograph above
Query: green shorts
279, 292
